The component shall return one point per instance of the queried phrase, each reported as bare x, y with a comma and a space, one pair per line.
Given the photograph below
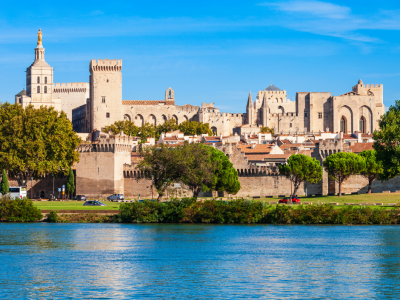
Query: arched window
38, 89
343, 125
169, 94
362, 125
45, 89
38, 79
45, 80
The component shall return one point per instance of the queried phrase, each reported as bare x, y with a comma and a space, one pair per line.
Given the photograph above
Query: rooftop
272, 88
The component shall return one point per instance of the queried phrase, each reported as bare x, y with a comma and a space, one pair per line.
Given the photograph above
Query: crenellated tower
105, 103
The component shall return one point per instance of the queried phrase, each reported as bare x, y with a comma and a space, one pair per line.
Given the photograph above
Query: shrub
19, 210
53, 217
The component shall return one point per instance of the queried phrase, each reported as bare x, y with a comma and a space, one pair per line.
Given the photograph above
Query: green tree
387, 142
373, 168
208, 169
300, 168
195, 128
70, 188
161, 165
4, 184
267, 130
340, 166
34, 142
126, 126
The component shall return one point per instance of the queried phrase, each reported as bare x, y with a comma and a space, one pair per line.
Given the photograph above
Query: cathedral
98, 103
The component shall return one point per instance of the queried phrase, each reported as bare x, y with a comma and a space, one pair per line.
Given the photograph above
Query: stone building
98, 103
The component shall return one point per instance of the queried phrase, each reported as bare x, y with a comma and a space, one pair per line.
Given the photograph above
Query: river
173, 261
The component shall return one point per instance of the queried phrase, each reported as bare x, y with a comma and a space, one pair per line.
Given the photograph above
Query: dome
360, 82
272, 88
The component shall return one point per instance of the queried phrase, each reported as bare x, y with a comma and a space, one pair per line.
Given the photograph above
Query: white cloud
315, 8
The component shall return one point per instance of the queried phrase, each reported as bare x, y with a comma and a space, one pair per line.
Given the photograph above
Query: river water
163, 261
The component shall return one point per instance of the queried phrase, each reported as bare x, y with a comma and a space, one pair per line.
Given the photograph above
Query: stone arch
346, 114
139, 120
281, 110
185, 118
127, 117
366, 115
214, 130
152, 119
163, 119
176, 118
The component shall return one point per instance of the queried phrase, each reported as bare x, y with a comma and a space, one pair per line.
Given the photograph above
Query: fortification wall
72, 95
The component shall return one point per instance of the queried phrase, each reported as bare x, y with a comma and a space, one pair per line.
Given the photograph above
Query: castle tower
250, 110
39, 77
264, 111
105, 104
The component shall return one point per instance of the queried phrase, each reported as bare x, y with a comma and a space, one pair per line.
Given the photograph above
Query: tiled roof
273, 88
349, 136
259, 148
360, 147
263, 157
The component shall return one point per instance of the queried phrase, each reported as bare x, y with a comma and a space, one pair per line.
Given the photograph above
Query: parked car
287, 200
80, 198
93, 203
116, 197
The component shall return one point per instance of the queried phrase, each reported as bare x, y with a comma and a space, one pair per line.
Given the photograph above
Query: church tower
250, 110
105, 104
264, 111
39, 77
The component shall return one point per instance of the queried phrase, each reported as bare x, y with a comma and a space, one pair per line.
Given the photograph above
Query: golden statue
39, 40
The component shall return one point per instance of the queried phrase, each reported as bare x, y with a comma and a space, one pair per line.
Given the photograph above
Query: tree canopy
150, 130
300, 168
199, 166
387, 142
34, 142
340, 166
373, 168
267, 130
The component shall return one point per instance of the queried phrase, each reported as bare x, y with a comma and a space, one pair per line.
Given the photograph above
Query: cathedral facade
98, 103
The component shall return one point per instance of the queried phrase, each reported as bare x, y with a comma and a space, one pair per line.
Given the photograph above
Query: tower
105, 104
250, 110
264, 111
39, 77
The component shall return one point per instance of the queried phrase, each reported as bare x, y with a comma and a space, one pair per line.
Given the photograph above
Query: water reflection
125, 261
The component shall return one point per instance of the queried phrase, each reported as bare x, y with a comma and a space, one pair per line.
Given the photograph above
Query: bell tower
39, 76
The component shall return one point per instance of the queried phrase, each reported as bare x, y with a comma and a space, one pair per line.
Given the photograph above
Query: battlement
283, 92
109, 143
105, 65
255, 171
229, 115
73, 87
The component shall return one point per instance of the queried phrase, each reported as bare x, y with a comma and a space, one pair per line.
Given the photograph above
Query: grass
356, 199
74, 205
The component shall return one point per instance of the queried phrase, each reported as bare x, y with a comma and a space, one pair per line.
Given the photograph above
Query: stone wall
72, 95
43, 186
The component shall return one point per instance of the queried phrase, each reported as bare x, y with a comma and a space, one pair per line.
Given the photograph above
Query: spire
264, 103
250, 101
360, 81
39, 50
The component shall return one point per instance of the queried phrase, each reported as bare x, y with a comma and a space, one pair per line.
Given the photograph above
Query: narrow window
103, 99
45, 89
290, 125
320, 115
343, 124
38, 79
38, 89
107, 115
45, 80
305, 114
169, 94
362, 125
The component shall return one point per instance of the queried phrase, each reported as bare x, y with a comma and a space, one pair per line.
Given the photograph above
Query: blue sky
208, 51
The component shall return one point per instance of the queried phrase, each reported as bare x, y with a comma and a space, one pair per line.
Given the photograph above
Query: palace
98, 103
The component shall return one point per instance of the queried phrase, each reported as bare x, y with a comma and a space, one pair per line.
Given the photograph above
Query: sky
208, 51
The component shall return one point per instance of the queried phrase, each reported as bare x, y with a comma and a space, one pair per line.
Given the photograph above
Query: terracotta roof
360, 147
263, 157
173, 138
349, 136
259, 148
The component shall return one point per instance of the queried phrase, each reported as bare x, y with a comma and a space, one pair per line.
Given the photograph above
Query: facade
98, 103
